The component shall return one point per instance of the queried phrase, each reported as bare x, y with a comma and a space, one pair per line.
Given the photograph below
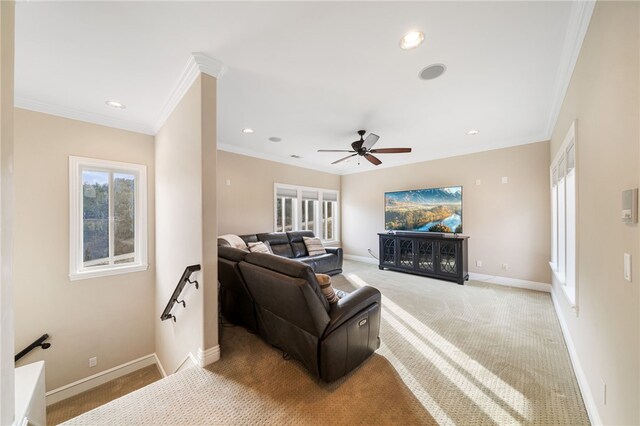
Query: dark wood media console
432, 255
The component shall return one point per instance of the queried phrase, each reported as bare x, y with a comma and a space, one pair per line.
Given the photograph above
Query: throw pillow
314, 246
234, 241
260, 247
327, 288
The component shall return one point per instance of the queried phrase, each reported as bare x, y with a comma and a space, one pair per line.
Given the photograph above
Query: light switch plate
505, 179
630, 206
627, 267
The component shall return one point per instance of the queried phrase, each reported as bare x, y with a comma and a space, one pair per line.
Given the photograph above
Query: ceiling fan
363, 147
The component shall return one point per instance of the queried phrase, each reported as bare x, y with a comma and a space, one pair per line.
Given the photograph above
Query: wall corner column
7, 378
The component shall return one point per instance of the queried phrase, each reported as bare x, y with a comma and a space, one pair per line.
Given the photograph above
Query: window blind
287, 192
330, 196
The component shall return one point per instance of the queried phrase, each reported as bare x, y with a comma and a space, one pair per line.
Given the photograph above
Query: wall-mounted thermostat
630, 206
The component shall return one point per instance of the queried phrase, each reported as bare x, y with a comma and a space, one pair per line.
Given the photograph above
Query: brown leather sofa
281, 299
291, 245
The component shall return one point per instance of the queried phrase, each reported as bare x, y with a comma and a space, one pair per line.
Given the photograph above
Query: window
329, 213
286, 209
318, 210
108, 218
309, 210
564, 216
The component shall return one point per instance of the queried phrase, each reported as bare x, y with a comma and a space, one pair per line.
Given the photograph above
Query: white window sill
556, 275
569, 292
76, 276
570, 297
330, 243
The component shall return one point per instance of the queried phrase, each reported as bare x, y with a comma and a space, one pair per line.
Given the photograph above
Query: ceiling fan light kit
363, 147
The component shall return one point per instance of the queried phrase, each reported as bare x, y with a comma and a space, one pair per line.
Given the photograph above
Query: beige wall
246, 206
209, 211
507, 223
6, 225
185, 156
604, 98
108, 317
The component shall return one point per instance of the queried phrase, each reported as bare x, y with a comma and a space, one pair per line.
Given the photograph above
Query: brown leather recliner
293, 315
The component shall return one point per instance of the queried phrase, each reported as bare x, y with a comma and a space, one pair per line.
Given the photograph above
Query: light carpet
477, 354
100, 395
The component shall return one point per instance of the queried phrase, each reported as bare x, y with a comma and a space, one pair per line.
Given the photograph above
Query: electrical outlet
228, 182
478, 182
505, 266
93, 361
505, 179
479, 263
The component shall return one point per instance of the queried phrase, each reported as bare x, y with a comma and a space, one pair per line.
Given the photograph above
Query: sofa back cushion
288, 289
249, 238
279, 243
297, 244
235, 300
228, 272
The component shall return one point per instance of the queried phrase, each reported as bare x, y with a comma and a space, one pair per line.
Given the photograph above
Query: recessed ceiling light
432, 71
247, 130
275, 139
116, 105
411, 40
295, 156
473, 132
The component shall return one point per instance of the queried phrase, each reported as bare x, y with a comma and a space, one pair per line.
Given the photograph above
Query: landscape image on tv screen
424, 210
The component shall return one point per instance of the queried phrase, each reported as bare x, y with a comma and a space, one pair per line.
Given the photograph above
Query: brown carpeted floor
478, 354
100, 395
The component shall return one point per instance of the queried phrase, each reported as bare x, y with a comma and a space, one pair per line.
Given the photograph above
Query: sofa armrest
335, 250
351, 305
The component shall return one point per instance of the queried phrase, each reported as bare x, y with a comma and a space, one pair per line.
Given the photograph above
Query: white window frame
77, 270
564, 259
317, 214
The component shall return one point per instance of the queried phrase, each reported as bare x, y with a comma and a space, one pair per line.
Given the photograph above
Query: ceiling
311, 73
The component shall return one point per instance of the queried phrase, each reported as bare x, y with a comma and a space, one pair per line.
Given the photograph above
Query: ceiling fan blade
370, 141
390, 150
335, 150
345, 158
373, 159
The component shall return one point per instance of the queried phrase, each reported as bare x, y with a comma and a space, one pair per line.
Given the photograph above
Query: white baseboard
364, 259
193, 362
159, 364
201, 359
209, 356
90, 382
587, 395
511, 282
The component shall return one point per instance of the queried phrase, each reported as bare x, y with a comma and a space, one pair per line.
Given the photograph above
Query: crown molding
198, 63
209, 65
455, 153
416, 159
275, 158
579, 19
76, 114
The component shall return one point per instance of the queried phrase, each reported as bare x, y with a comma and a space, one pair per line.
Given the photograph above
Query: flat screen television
424, 210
